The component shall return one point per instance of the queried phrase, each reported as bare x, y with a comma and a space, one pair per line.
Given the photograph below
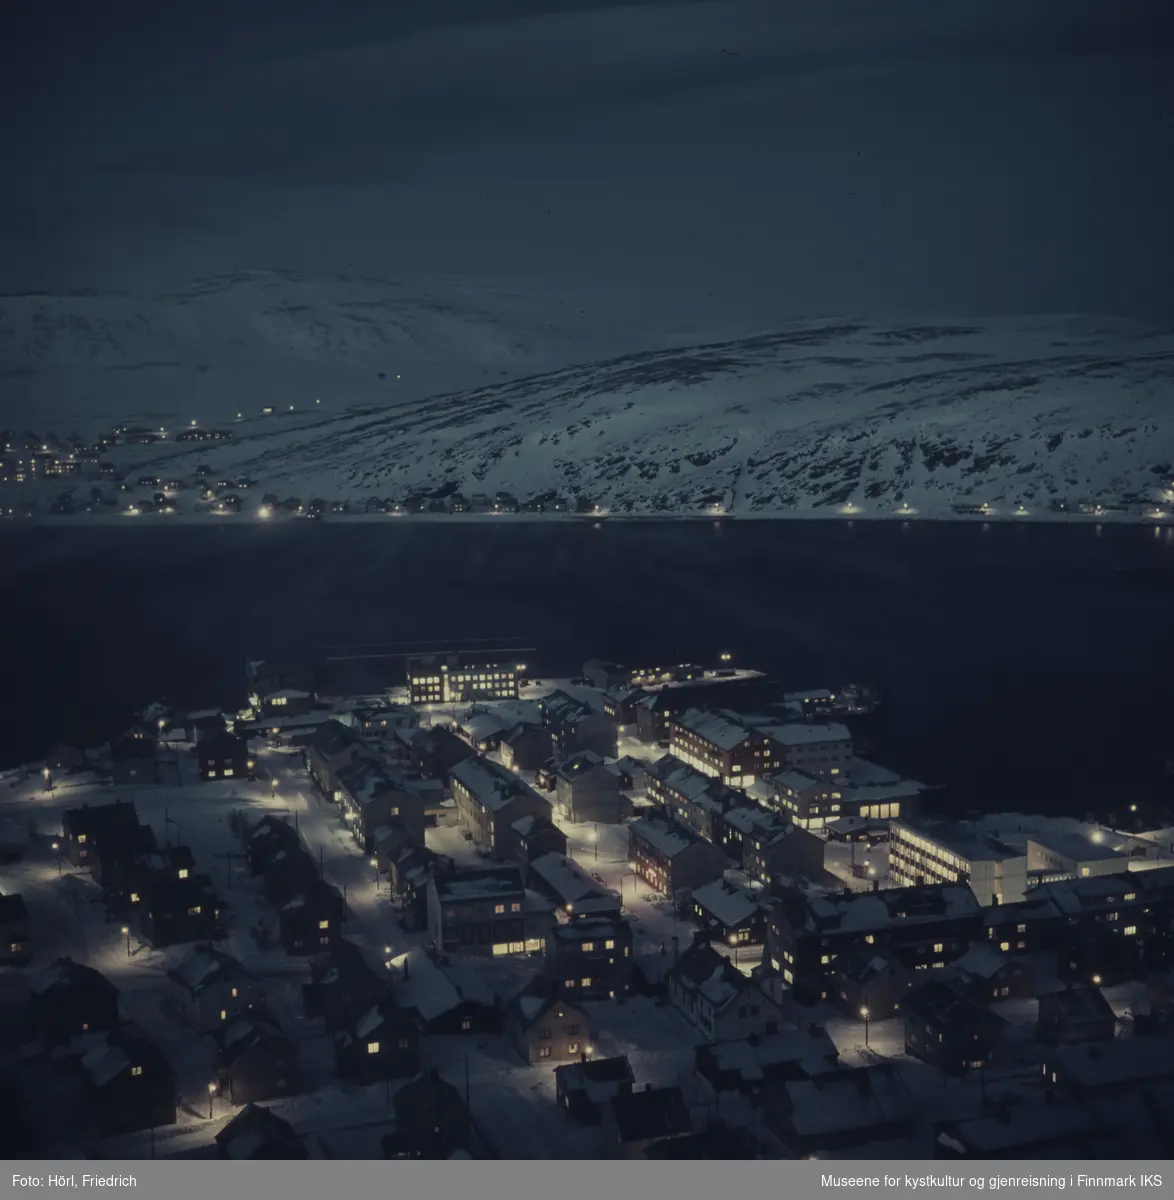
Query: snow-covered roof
1025, 1125
105, 1062
433, 990
958, 838
982, 961
726, 902
808, 734
840, 1103
479, 885
202, 966
489, 785
663, 836
369, 1022
564, 877
717, 729
1074, 846
483, 726
869, 911
752, 1060
532, 1006
799, 781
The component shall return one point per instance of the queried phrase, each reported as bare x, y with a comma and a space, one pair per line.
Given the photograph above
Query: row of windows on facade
454, 914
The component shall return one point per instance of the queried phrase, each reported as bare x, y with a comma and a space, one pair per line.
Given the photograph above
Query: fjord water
1025, 667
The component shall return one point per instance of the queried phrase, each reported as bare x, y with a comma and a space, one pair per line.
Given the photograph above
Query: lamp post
273, 788
211, 1097
375, 867
47, 776
865, 1016
737, 950
57, 851
595, 840
126, 934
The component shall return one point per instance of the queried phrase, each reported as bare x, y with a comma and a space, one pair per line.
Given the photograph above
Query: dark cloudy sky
783, 157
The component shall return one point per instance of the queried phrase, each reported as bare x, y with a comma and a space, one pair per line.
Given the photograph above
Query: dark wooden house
129, 1084
586, 1087
112, 827
256, 1060
311, 921
16, 950
343, 985
223, 755
383, 1043
257, 1133
949, 1031
69, 999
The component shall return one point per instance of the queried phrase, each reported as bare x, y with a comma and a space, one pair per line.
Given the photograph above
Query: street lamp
47, 775
57, 851
734, 944
865, 1016
211, 1095
126, 934
273, 787
375, 865
595, 840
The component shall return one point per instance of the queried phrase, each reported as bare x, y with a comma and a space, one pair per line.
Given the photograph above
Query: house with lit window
574, 726
1033, 926
525, 748
211, 989
1116, 927
176, 910
1056, 855
444, 997
590, 957
382, 1043
372, 796
1109, 1069
546, 1028
717, 999
332, 748
123, 868
200, 723
380, 722
928, 926
730, 914
133, 756
568, 886
870, 981
69, 999
223, 755
482, 912
722, 745
953, 852
766, 845
489, 799
949, 1031
620, 705
255, 1060
988, 974
283, 701
811, 747
311, 921
454, 679
699, 802
672, 859
343, 985
16, 948
108, 825
128, 1084
859, 791
587, 791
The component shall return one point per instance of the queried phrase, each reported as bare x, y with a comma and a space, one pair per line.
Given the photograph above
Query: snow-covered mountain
810, 417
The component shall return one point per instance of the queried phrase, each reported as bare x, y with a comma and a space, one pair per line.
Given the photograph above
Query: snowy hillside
811, 418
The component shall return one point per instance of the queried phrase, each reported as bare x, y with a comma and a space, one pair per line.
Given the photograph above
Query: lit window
516, 906
1004, 945
224, 1014
323, 924
134, 897
81, 839
588, 947
1129, 930
136, 1070
499, 908
939, 947
183, 872
372, 1047
235, 993
609, 944
586, 982
543, 1051
194, 911
569, 983
572, 1047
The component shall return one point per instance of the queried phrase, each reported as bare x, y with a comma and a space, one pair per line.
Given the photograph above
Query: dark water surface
1027, 667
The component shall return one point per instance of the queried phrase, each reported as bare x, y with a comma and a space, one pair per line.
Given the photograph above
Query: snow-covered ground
818, 418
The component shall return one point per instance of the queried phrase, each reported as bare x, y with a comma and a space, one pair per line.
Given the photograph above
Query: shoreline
154, 520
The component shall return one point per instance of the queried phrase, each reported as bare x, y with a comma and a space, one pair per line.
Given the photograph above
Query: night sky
781, 158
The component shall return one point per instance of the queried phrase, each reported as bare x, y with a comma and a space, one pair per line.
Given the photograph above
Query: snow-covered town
665, 912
